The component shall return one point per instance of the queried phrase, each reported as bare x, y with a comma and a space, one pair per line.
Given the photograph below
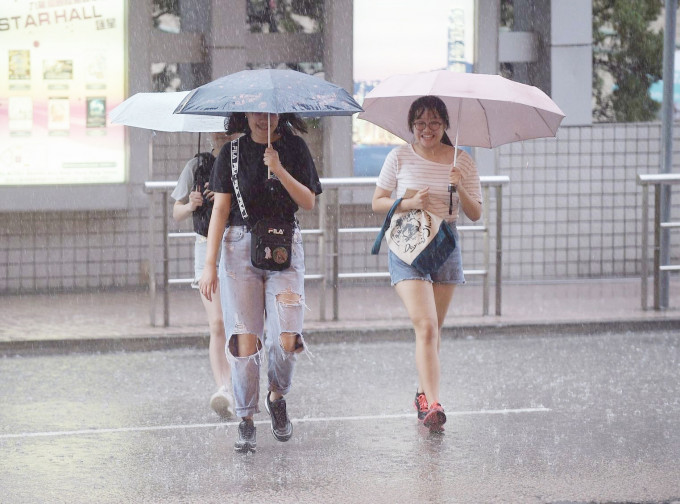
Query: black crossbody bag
271, 238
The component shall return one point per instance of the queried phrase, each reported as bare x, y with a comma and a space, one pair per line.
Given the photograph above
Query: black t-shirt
263, 197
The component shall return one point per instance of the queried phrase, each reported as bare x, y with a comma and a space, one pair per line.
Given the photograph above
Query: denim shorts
200, 248
451, 272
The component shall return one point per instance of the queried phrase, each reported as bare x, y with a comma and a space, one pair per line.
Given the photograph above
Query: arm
181, 211
382, 200
470, 206
469, 203
300, 193
218, 221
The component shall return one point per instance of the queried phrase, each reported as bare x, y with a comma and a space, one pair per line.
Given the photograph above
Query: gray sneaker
247, 437
282, 428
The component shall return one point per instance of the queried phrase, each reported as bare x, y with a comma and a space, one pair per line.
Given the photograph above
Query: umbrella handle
452, 188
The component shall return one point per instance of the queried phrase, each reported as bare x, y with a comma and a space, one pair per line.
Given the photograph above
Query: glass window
285, 16
165, 77
166, 15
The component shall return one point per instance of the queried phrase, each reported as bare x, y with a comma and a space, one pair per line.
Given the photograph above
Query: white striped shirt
404, 169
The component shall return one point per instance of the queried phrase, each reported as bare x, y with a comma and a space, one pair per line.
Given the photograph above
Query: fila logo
275, 231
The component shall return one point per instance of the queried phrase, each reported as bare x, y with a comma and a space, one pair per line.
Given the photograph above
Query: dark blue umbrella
269, 90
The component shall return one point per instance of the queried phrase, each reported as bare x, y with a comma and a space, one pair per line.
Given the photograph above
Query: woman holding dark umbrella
254, 299
426, 168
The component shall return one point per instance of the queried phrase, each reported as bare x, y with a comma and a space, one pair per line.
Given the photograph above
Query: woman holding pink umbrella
426, 169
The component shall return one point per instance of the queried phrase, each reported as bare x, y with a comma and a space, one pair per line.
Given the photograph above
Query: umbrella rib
543, 119
488, 129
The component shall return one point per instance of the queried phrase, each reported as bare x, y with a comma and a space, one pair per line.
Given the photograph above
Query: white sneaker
223, 403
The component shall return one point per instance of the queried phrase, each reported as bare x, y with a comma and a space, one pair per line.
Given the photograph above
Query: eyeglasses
433, 125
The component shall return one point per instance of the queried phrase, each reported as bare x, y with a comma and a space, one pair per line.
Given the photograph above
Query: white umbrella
154, 111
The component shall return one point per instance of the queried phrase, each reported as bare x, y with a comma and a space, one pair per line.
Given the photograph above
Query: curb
320, 335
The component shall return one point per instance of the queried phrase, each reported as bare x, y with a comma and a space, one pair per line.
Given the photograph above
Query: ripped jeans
251, 306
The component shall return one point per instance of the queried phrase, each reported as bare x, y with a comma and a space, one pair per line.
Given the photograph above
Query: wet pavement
571, 396
120, 320
539, 419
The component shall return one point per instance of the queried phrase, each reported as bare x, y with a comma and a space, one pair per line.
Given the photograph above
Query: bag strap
234, 181
385, 227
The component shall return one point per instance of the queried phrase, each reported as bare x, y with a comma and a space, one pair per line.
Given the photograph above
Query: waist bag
271, 244
418, 237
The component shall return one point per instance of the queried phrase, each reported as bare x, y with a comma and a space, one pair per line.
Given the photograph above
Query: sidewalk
120, 320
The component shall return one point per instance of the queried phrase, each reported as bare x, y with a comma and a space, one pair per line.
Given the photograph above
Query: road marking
359, 418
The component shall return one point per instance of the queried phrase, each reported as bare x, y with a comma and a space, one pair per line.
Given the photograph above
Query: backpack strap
386, 225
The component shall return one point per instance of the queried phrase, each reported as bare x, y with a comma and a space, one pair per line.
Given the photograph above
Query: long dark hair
289, 124
435, 104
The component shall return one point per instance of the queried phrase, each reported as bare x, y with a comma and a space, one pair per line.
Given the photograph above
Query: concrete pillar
487, 23
225, 41
195, 19
571, 58
337, 64
140, 31
533, 16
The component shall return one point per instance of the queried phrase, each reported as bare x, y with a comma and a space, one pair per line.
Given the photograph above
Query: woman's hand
271, 159
300, 193
209, 195
419, 200
208, 282
455, 176
195, 199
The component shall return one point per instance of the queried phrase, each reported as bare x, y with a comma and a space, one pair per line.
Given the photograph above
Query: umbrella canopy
269, 90
484, 110
154, 111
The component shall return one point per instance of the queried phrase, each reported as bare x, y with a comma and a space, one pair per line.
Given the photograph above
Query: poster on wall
62, 68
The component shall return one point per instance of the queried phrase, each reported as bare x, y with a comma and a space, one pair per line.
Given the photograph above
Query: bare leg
218, 341
419, 299
443, 294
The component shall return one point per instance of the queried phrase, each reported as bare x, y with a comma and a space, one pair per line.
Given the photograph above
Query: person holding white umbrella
422, 172
193, 198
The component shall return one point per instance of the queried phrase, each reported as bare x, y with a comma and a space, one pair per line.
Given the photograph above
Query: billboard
62, 67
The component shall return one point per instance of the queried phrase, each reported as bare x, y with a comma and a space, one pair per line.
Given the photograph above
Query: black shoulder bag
271, 238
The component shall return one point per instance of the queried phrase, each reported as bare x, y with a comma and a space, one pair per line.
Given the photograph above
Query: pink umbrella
484, 110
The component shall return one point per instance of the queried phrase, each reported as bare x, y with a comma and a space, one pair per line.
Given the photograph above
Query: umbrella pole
199, 143
452, 188
269, 141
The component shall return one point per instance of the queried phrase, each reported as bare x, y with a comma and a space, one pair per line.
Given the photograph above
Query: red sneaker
421, 405
435, 417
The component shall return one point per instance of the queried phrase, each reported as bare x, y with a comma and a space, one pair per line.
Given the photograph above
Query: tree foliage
625, 47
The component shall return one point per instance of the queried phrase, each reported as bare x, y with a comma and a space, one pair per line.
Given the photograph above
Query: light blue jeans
250, 306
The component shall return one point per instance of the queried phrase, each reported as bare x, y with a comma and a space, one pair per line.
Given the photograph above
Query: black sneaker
281, 426
247, 439
421, 405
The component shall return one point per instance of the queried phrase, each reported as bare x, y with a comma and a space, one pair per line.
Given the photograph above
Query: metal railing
657, 180
330, 200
